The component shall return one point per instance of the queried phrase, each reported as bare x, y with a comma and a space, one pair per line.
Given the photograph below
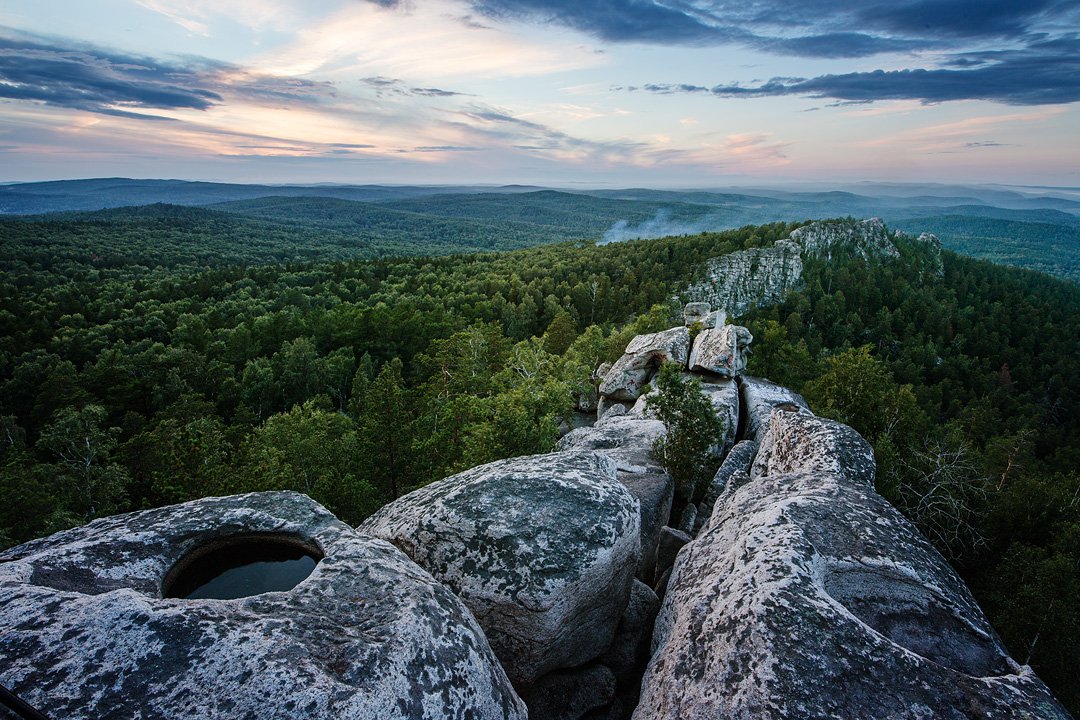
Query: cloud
392, 86
683, 23
83, 77
1013, 78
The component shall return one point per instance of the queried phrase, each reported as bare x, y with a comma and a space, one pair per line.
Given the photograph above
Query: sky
659, 93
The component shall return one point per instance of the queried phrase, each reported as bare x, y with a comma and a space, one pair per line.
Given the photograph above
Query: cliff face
758, 276
764, 276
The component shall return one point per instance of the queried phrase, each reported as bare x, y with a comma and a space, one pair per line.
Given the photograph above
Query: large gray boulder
86, 633
721, 351
759, 397
799, 443
808, 596
542, 549
696, 312
724, 397
644, 354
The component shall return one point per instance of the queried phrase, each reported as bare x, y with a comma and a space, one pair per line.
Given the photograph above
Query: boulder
696, 312
759, 397
570, 694
808, 596
643, 356
721, 351
724, 397
542, 549
86, 633
797, 443
715, 319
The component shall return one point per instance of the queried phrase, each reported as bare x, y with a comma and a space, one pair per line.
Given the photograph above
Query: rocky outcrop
696, 312
806, 595
749, 278
721, 351
866, 238
86, 633
759, 398
645, 353
800, 443
542, 549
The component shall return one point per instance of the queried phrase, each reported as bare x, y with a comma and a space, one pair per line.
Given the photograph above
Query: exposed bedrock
759, 398
644, 355
86, 633
806, 595
798, 443
627, 439
542, 549
721, 351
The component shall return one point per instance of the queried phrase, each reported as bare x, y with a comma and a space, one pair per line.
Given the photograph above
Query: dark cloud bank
1038, 63
84, 77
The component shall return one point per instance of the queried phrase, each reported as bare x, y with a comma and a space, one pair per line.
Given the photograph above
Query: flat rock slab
808, 596
797, 443
644, 354
85, 632
759, 397
627, 438
542, 549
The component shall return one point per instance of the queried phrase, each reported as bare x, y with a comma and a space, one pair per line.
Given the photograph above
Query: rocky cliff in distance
764, 276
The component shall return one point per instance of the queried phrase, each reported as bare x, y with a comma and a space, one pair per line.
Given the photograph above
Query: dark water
242, 569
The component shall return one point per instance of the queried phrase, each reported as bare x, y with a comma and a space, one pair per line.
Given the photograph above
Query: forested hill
330, 222
353, 381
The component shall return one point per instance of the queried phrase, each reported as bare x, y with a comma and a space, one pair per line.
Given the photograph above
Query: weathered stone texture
85, 633
867, 238
749, 278
722, 351
644, 354
807, 596
542, 549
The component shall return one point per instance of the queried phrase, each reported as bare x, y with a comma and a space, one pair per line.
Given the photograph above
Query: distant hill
1048, 247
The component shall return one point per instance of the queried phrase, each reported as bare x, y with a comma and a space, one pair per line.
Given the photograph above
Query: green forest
150, 356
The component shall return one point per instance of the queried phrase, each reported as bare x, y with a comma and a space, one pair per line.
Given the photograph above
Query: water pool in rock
240, 567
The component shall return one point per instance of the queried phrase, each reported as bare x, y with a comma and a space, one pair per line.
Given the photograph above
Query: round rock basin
241, 566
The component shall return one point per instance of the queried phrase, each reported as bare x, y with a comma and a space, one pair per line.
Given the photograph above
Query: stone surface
724, 397
542, 549
696, 312
866, 238
625, 438
797, 443
759, 397
85, 633
644, 355
808, 596
722, 351
626, 654
570, 694
738, 459
670, 543
756, 277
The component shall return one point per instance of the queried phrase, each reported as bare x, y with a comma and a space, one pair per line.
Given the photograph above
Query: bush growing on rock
693, 428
